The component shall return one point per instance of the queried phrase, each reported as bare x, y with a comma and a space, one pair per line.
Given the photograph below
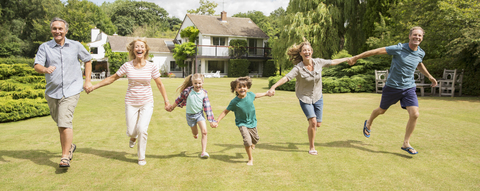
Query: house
160, 48
215, 33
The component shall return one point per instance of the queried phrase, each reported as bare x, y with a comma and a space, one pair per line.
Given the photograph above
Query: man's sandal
64, 162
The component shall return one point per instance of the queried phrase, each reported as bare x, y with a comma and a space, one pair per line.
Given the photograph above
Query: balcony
213, 51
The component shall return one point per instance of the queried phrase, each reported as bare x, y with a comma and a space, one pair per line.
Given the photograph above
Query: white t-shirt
139, 91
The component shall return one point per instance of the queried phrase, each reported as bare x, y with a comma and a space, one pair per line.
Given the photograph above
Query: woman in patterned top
139, 97
308, 87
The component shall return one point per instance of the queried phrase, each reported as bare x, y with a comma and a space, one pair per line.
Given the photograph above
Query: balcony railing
226, 51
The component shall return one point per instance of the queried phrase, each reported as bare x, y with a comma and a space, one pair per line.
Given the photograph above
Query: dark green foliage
269, 68
238, 67
289, 86
21, 93
238, 48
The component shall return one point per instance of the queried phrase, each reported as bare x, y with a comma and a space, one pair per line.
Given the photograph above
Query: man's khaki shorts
62, 110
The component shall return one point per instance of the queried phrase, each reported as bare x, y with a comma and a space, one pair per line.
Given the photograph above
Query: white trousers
138, 119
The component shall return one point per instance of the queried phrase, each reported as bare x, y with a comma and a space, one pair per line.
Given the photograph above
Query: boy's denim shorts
313, 110
193, 119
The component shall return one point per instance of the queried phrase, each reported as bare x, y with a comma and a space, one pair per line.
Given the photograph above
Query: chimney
224, 16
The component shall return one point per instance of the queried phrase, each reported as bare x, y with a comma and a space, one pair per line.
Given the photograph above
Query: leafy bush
238, 48
14, 110
22, 93
17, 60
269, 68
288, 86
238, 67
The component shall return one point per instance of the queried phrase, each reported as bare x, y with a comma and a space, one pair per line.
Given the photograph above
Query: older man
59, 59
400, 85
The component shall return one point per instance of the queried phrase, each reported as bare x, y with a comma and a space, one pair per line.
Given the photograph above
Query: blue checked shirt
66, 80
207, 108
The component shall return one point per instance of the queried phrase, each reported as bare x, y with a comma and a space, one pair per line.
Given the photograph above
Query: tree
190, 32
182, 51
206, 8
324, 23
128, 13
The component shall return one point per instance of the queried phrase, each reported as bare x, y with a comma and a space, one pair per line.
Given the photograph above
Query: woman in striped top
139, 97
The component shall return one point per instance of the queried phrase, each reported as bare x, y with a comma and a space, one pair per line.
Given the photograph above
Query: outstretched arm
365, 54
87, 86
161, 87
425, 72
105, 82
340, 60
279, 83
259, 95
222, 115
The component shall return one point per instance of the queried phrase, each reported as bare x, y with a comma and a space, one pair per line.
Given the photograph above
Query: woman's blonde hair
242, 82
131, 48
294, 51
189, 81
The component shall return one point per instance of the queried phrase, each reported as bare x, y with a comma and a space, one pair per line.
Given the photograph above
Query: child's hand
214, 124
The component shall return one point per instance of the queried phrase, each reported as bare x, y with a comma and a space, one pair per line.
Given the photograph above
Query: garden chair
102, 75
446, 85
92, 76
380, 80
420, 81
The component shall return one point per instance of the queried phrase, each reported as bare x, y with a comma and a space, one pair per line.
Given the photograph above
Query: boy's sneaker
204, 155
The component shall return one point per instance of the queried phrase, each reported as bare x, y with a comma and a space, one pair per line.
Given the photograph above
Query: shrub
22, 93
18, 60
238, 67
269, 68
14, 110
289, 86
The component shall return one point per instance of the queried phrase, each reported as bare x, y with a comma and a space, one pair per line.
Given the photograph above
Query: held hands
271, 92
169, 108
351, 61
88, 87
214, 124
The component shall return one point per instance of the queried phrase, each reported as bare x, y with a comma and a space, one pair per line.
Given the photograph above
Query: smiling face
306, 52
241, 90
59, 31
139, 49
415, 37
197, 84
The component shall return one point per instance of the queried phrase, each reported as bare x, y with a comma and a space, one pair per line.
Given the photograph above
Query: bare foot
250, 163
195, 136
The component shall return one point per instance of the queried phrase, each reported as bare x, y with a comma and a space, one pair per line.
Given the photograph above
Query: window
174, 66
93, 50
219, 41
214, 66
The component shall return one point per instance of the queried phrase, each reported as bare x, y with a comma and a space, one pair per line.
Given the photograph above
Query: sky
178, 8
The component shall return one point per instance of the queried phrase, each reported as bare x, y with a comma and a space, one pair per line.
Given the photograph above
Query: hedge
269, 68
21, 93
238, 67
357, 83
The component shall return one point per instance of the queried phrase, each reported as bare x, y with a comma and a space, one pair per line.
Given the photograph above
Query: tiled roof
157, 45
235, 26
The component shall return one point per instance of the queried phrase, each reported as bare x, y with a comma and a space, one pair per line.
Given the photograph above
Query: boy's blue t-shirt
404, 63
244, 110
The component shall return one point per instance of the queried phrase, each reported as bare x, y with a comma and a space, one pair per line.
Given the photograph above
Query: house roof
157, 45
235, 26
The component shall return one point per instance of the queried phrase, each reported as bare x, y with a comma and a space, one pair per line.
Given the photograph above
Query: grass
446, 136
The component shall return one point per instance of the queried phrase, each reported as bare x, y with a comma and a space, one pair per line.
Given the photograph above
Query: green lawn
446, 137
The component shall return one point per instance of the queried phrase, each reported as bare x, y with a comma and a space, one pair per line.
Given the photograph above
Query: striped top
139, 91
